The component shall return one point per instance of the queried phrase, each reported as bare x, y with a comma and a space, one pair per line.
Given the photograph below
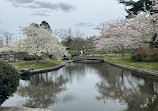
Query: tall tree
118, 36
38, 41
66, 35
61, 34
137, 6
45, 25
1, 42
69, 37
7, 37
145, 22
35, 24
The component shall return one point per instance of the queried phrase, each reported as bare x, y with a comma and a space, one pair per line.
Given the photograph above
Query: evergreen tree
45, 25
137, 6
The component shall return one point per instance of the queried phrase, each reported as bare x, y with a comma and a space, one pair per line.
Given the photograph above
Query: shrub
20, 55
152, 55
65, 58
115, 51
9, 80
139, 56
30, 58
145, 55
73, 53
102, 51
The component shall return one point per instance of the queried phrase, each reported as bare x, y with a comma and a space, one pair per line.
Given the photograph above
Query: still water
87, 87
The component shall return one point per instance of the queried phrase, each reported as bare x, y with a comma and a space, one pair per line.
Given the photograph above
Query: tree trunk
153, 43
37, 61
122, 53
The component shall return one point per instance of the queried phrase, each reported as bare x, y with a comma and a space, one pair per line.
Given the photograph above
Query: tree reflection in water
138, 93
74, 70
41, 90
112, 84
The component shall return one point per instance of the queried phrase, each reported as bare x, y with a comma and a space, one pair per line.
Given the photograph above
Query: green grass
41, 65
145, 65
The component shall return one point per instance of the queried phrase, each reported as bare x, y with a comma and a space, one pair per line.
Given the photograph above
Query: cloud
56, 6
31, 6
2, 29
67, 98
40, 14
65, 7
18, 2
84, 24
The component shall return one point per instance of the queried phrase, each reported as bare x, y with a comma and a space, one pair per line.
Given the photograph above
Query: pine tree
137, 7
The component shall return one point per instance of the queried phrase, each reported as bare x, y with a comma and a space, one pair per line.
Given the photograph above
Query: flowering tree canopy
38, 41
119, 36
131, 33
146, 23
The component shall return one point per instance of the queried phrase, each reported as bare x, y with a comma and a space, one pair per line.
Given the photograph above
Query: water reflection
88, 87
75, 70
41, 90
138, 93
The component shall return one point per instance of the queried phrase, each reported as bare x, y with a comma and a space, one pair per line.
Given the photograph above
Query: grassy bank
145, 65
43, 64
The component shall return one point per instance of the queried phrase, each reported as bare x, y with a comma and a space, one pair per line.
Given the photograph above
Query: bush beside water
9, 80
73, 53
30, 58
145, 55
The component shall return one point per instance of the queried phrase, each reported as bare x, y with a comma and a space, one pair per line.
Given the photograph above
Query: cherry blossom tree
131, 33
38, 41
118, 36
146, 23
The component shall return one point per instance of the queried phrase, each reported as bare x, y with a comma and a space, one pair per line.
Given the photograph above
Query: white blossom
38, 41
119, 36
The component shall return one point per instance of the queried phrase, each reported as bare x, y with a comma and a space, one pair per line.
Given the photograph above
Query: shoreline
32, 72
140, 72
21, 109
12, 108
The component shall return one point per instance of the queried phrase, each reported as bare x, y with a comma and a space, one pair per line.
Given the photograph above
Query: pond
87, 87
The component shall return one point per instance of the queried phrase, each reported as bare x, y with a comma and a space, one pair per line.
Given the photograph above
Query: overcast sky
83, 15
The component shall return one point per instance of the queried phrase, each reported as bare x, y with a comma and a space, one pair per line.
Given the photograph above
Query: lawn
145, 65
41, 65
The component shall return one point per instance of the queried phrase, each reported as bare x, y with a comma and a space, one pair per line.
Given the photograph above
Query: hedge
9, 80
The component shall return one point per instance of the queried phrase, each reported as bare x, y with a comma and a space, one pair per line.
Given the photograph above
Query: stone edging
44, 70
31, 73
142, 72
21, 109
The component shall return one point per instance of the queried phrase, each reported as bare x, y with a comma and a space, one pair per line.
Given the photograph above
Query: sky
82, 15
